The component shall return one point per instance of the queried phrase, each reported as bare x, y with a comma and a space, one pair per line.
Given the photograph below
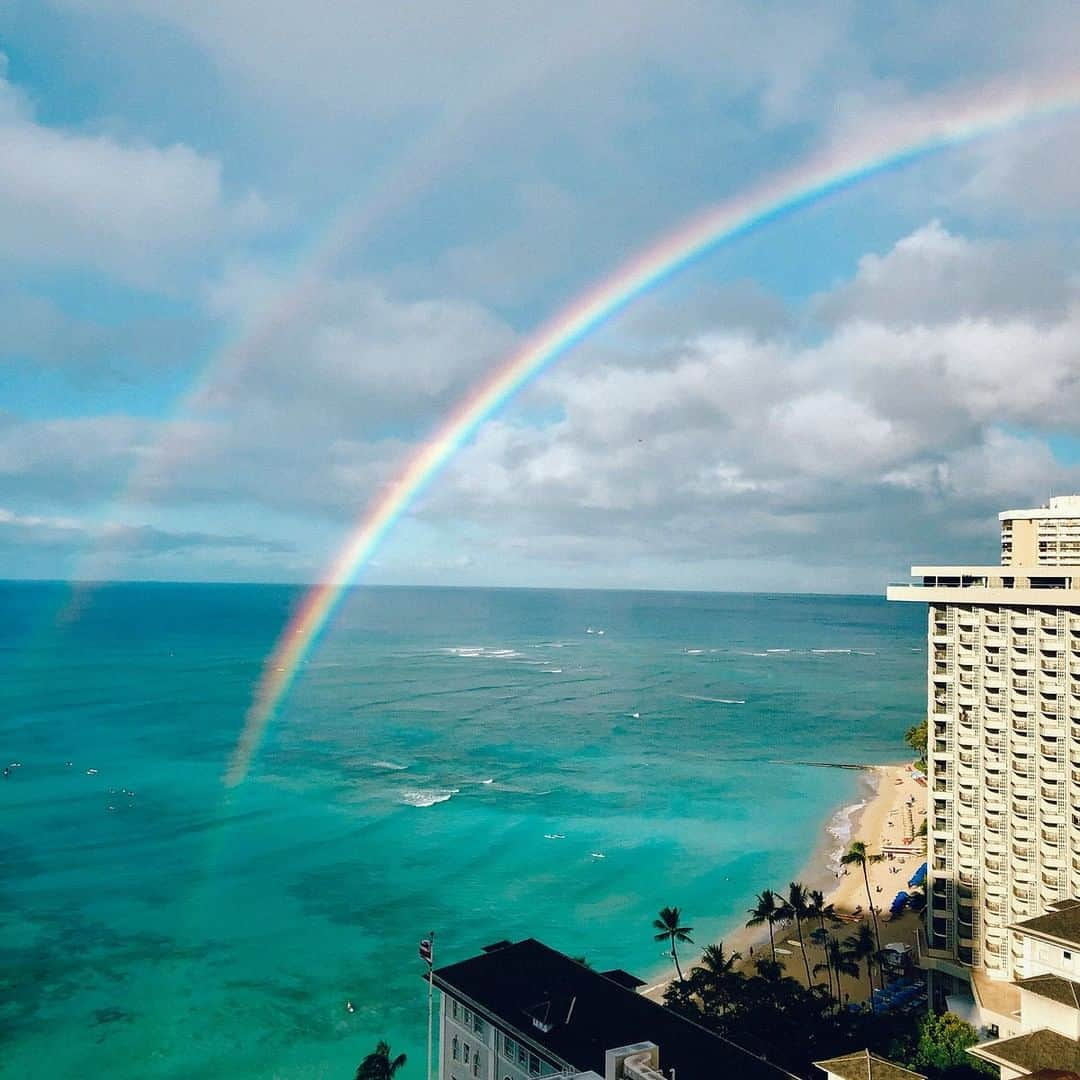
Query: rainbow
906, 139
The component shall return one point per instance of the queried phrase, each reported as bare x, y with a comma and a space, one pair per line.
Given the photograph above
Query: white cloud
132, 209
913, 417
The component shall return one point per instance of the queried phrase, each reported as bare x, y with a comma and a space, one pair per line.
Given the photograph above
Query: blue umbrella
919, 876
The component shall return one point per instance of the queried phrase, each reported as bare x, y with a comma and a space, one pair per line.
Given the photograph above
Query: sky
252, 253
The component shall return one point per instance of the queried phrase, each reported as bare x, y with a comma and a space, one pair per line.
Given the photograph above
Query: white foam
489, 780
481, 652
841, 828
825, 652
553, 671
428, 796
392, 765
715, 700
554, 836
694, 652
778, 650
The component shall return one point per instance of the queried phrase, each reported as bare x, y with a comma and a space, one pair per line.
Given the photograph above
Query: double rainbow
952, 124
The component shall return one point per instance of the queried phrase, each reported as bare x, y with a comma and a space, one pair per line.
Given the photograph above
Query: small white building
1047, 1020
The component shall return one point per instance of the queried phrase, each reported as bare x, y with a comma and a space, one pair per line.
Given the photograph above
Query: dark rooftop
1062, 923
1054, 987
623, 978
578, 1014
1043, 1049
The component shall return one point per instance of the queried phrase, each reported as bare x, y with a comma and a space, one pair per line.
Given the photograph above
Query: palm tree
818, 909
766, 910
861, 947
857, 855
838, 961
716, 975
668, 926
378, 1065
796, 907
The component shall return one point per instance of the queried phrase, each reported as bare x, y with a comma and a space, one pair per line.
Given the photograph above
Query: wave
553, 671
693, 652
823, 652
840, 828
393, 766
481, 652
428, 796
777, 650
715, 700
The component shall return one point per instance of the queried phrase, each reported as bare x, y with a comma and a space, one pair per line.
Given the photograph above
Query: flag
425, 951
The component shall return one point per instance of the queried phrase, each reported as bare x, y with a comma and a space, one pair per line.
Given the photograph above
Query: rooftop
1059, 506
866, 1066
1055, 987
1061, 925
1044, 1049
584, 1013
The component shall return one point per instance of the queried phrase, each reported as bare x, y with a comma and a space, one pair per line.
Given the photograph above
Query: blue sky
250, 253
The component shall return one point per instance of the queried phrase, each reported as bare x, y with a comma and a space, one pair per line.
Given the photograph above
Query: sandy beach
887, 823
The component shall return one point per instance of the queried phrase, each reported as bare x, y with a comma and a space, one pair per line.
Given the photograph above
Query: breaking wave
428, 796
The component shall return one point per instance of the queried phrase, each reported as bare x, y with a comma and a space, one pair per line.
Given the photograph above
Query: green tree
838, 961
857, 855
715, 978
668, 925
863, 947
942, 1043
766, 910
818, 909
378, 1065
917, 737
797, 906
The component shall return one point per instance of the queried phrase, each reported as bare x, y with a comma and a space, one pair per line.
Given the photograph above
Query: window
453, 1009
478, 1025
456, 1051
523, 1056
1066, 955
465, 1054
509, 1047
476, 1065
534, 1065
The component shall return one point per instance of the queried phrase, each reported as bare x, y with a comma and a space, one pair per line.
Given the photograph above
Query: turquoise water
153, 924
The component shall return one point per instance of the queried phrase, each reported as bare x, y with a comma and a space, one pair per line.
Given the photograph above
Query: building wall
1039, 1012
1003, 772
472, 1048
466, 1046
1046, 536
1042, 957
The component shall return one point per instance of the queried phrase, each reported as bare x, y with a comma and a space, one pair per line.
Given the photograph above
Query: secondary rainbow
905, 139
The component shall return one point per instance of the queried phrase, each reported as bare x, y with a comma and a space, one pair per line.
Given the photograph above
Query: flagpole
430, 986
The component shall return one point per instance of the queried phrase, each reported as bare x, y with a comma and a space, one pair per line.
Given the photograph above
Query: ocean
486, 764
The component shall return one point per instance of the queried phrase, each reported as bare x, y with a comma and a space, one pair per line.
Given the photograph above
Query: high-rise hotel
1004, 747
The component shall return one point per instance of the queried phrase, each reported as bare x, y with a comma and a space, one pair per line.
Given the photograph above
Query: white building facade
1003, 756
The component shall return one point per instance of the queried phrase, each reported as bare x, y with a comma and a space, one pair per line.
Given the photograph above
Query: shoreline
878, 819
